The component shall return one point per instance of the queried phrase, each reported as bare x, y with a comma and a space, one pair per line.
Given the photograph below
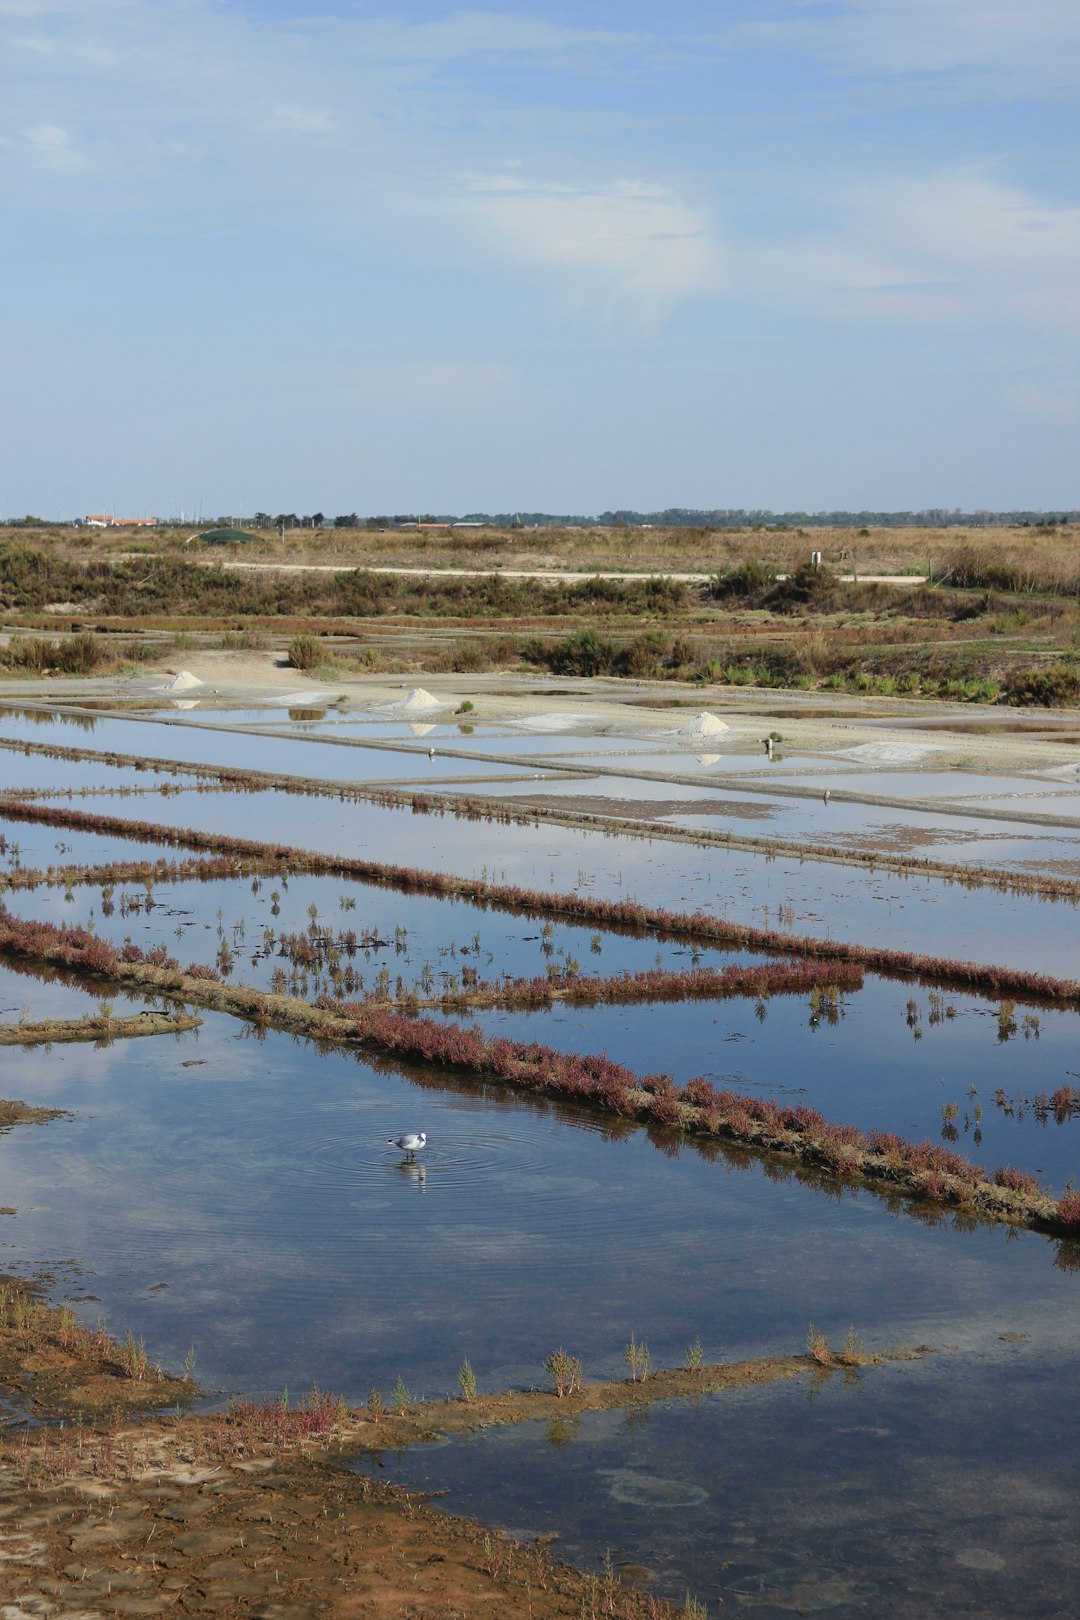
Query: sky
343, 256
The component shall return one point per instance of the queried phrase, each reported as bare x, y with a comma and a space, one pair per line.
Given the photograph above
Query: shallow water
869, 1068
403, 931
33, 845
895, 1056
26, 998
250, 1205
239, 1194
831, 901
335, 761
908, 1490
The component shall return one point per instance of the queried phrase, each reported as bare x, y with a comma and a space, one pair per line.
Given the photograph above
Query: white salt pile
703, 725
418, 700
183, 682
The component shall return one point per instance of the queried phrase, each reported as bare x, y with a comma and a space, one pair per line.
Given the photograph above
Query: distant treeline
673, 517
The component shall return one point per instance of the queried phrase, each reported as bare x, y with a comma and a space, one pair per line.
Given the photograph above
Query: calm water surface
239, 1195
909, 1490
914, 913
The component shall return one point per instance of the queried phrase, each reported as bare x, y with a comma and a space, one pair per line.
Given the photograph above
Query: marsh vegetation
689, 1106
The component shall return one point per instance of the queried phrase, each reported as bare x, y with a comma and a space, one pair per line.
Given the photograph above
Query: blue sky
338, 256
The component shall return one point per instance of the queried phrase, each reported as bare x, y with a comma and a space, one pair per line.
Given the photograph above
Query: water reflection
888, 1494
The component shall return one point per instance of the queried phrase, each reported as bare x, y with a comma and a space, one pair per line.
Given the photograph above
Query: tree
347, 520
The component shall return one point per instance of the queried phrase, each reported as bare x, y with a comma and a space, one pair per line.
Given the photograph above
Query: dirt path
550, 576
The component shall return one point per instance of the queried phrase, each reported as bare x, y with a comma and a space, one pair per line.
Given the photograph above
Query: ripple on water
799, 1590
637, 1488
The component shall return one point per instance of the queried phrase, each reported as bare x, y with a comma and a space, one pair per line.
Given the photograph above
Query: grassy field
1001, 622
1049, 553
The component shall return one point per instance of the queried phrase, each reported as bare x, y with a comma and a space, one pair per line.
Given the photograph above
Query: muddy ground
256, 1512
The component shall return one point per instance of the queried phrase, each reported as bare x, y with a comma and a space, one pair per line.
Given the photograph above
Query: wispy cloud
955, 247
628, 247
51, 147
423, 193
1017, 45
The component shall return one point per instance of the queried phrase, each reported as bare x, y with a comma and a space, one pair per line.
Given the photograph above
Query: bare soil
203, 1513
20, 1113
957, 736
100, 1028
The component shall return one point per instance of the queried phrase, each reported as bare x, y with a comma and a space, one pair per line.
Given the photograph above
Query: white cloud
52, 148
353, 126
1018, 44
952, 248
631, 247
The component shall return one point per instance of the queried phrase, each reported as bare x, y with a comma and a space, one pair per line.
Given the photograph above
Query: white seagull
410, 1144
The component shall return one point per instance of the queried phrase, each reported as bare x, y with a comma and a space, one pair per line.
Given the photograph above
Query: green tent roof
226, 537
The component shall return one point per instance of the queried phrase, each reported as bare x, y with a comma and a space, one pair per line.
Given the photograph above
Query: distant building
100, 520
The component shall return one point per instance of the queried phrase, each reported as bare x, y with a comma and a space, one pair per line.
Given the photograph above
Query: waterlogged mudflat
936, 1487
940, 834
248, 1203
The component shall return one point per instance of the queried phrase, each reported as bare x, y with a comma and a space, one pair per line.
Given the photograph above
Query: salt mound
183, 682
418, 699
703, 725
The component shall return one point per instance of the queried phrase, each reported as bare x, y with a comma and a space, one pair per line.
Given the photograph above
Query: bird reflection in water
414, 1172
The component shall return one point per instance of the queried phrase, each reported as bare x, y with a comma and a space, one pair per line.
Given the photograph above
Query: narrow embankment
989, 978
881, 1160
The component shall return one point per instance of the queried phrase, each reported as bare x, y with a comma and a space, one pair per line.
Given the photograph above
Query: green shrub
1051, 685
749, 579
306, 652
